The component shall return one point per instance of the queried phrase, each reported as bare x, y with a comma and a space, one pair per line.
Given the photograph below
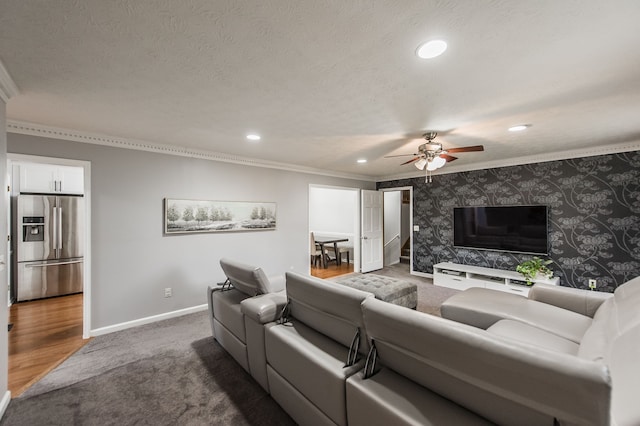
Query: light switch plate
416, 228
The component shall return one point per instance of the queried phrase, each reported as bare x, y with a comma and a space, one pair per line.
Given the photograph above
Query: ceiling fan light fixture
439, 162
421, 163
431, 166
431, 49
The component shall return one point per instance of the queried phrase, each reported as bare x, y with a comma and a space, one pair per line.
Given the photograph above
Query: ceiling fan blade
400, 155
414, 159
449, 158
466, 149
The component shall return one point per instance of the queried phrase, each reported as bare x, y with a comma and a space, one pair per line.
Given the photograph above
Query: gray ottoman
384, 288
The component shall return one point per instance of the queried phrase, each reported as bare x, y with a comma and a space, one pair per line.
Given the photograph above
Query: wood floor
332, 271
44, 333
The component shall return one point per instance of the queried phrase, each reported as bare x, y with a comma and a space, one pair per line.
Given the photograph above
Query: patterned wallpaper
594, 215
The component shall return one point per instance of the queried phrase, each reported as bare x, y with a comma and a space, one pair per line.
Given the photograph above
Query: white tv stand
461, 277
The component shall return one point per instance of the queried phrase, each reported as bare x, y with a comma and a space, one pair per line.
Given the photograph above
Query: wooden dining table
322, 242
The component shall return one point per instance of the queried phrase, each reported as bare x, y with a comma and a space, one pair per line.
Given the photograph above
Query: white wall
133, 261
332, 210
4, 314
392, 220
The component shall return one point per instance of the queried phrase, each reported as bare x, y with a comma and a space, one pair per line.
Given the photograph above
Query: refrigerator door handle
44, 265
54, 225
60, 228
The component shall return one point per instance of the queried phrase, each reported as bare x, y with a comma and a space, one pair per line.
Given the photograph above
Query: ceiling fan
431, 155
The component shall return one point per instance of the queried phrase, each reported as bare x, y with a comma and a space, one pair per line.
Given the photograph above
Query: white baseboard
147, 320
6, 399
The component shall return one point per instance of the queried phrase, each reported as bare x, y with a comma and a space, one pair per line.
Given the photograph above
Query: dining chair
342, 249
315, 252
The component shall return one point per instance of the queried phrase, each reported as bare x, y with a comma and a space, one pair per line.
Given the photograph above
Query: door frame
86, 165
356, 229
411, 231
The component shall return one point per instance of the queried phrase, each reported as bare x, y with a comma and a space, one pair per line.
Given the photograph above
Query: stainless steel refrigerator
50, 246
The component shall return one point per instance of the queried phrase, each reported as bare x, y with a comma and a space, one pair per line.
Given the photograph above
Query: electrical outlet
592, 284
168, 292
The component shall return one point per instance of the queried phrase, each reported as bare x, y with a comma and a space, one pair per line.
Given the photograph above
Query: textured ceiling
328, 82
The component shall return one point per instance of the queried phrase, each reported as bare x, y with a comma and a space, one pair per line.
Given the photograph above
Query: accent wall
594, 219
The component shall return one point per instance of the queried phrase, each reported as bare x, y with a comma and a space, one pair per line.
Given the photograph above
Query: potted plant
533, 268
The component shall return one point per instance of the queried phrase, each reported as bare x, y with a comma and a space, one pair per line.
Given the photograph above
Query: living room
588, 175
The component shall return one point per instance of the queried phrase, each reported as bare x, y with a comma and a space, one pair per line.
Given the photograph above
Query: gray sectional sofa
330, 354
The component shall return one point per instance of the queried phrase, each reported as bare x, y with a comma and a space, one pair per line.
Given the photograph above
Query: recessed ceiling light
431, 49
253, 137
362, 160
519, 127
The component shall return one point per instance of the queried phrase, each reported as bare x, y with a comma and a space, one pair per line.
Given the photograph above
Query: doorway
334, 216
398, 225
50, 309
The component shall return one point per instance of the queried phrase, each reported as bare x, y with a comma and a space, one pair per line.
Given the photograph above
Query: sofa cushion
227, 311
236, 348
248, 279
627, 289
312, 363
301, 410
483, 307
388, 398
532, 335
331, 309
584, 302
627, 301
614, 317
625, 376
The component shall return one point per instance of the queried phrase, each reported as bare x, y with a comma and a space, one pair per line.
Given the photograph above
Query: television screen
520, 229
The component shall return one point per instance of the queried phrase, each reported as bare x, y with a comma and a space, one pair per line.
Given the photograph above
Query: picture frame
197, 216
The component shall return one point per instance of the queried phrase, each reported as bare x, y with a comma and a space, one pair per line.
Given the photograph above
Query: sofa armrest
585, 302
277, 283
264, 308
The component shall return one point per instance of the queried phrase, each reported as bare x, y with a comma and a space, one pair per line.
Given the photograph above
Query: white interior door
372, 231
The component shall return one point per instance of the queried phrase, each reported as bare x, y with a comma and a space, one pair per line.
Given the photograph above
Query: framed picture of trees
186, 216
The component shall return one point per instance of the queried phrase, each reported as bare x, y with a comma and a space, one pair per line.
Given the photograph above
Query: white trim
6, 399
411, 231
147, 320
25, 128
33, 129
529, 159
86, 165
356, 222
8, 88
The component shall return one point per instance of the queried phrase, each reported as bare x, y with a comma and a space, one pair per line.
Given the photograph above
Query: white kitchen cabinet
51, 179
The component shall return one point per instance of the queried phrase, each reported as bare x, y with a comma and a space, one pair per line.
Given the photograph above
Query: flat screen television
521, 229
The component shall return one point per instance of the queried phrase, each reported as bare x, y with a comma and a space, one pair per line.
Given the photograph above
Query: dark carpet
175, 382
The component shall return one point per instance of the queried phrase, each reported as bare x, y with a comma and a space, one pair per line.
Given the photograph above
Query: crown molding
529, 159
32, 129
8, 88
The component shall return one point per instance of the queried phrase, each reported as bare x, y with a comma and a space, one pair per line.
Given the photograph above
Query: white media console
461, 277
